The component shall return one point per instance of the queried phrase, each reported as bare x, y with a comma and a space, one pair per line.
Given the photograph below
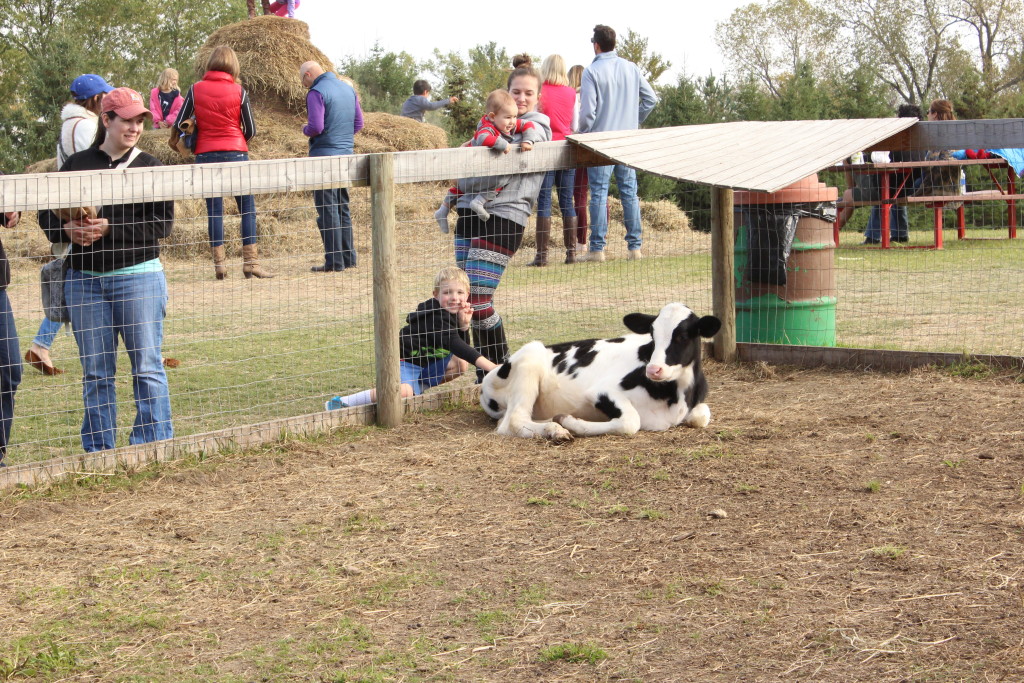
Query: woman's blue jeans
47, 332
132, 307
10, 370
215, 205
566, 182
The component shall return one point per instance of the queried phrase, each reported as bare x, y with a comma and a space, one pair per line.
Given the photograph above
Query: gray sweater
416, 106
517, 196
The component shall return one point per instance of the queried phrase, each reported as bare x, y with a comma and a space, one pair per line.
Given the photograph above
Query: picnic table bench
904, 170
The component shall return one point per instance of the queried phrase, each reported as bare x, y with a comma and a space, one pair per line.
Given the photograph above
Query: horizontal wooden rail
34, 191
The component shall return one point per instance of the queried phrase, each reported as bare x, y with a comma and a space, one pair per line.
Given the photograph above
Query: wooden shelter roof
747, 155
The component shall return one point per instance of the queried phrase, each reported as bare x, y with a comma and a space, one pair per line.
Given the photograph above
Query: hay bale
270, 51
661, 215
398, 134
279, 136
44, 166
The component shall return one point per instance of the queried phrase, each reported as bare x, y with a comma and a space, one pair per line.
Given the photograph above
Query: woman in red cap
115, 284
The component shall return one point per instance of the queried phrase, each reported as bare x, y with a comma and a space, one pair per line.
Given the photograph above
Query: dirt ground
827, 526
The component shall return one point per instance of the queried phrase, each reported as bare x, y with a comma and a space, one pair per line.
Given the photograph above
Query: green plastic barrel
803, 311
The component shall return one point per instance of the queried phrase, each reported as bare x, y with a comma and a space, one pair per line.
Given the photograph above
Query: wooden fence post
723, 283
385, 290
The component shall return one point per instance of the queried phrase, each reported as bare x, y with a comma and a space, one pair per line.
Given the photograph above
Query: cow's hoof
699, 417
557, 433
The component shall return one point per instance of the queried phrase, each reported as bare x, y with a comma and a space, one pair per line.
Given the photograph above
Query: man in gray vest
334, 117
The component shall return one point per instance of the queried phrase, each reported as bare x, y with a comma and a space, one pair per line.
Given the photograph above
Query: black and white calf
650, 380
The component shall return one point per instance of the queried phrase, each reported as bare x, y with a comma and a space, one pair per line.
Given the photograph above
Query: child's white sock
361, 398
442, 217
478, 207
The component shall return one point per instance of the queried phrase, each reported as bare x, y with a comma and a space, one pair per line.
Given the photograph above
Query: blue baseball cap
88, 85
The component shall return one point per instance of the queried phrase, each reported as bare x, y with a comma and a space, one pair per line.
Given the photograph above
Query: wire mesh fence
240, 351
243, 350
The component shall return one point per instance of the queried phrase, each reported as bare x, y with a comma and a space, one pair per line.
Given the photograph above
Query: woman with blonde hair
558, 102
165, 99
225, 124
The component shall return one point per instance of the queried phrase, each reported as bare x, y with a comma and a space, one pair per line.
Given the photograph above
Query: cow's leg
622, 418
518, 420
521, 390
699, 416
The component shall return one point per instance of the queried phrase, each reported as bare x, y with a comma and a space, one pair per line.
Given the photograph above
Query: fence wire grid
248, 350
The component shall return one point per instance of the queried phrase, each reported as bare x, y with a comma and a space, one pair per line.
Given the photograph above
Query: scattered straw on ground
872, 531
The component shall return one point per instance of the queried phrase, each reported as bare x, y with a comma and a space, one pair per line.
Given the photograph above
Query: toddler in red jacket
495, 130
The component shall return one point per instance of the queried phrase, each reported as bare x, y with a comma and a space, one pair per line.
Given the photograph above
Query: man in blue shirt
613, 96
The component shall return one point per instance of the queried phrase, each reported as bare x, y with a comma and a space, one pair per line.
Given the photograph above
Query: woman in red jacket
224, 123
558, 102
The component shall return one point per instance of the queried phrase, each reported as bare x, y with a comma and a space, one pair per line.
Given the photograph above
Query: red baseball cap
125, 102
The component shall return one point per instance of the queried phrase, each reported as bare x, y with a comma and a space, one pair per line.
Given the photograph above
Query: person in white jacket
79, 120
81, 117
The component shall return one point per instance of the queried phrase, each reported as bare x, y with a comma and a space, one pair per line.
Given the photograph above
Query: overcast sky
682, 34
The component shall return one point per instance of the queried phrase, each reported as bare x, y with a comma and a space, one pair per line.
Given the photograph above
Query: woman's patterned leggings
484, 250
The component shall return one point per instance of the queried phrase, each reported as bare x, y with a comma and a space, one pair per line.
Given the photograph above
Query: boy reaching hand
434, 344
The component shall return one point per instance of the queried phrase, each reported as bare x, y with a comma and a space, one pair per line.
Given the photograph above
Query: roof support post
723, 282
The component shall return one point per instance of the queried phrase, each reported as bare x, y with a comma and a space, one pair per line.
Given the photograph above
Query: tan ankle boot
569, 238
543, 235
219, 259
250, 262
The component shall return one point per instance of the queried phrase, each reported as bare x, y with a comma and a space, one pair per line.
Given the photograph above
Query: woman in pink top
165, 100
558, 102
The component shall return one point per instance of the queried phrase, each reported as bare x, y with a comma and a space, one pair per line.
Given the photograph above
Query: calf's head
675, 339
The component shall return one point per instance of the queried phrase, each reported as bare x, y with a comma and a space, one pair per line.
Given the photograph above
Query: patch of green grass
971, 368
387, 590
537, 500
660, 475
534, 594
708, 452
360, 521
873, 486
573, 652
889, 552
618, 509
952, 464
22, 660
651, 515
713, 588
746, 488
489, 623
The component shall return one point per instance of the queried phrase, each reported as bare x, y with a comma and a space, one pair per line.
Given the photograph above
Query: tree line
46, 43
787, 60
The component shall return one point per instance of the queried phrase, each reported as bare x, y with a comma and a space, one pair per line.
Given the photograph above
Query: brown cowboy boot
569, 238
543, 234
219, 258
250, 262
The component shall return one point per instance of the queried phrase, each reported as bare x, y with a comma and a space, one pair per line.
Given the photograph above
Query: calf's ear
640, 323
708, 326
